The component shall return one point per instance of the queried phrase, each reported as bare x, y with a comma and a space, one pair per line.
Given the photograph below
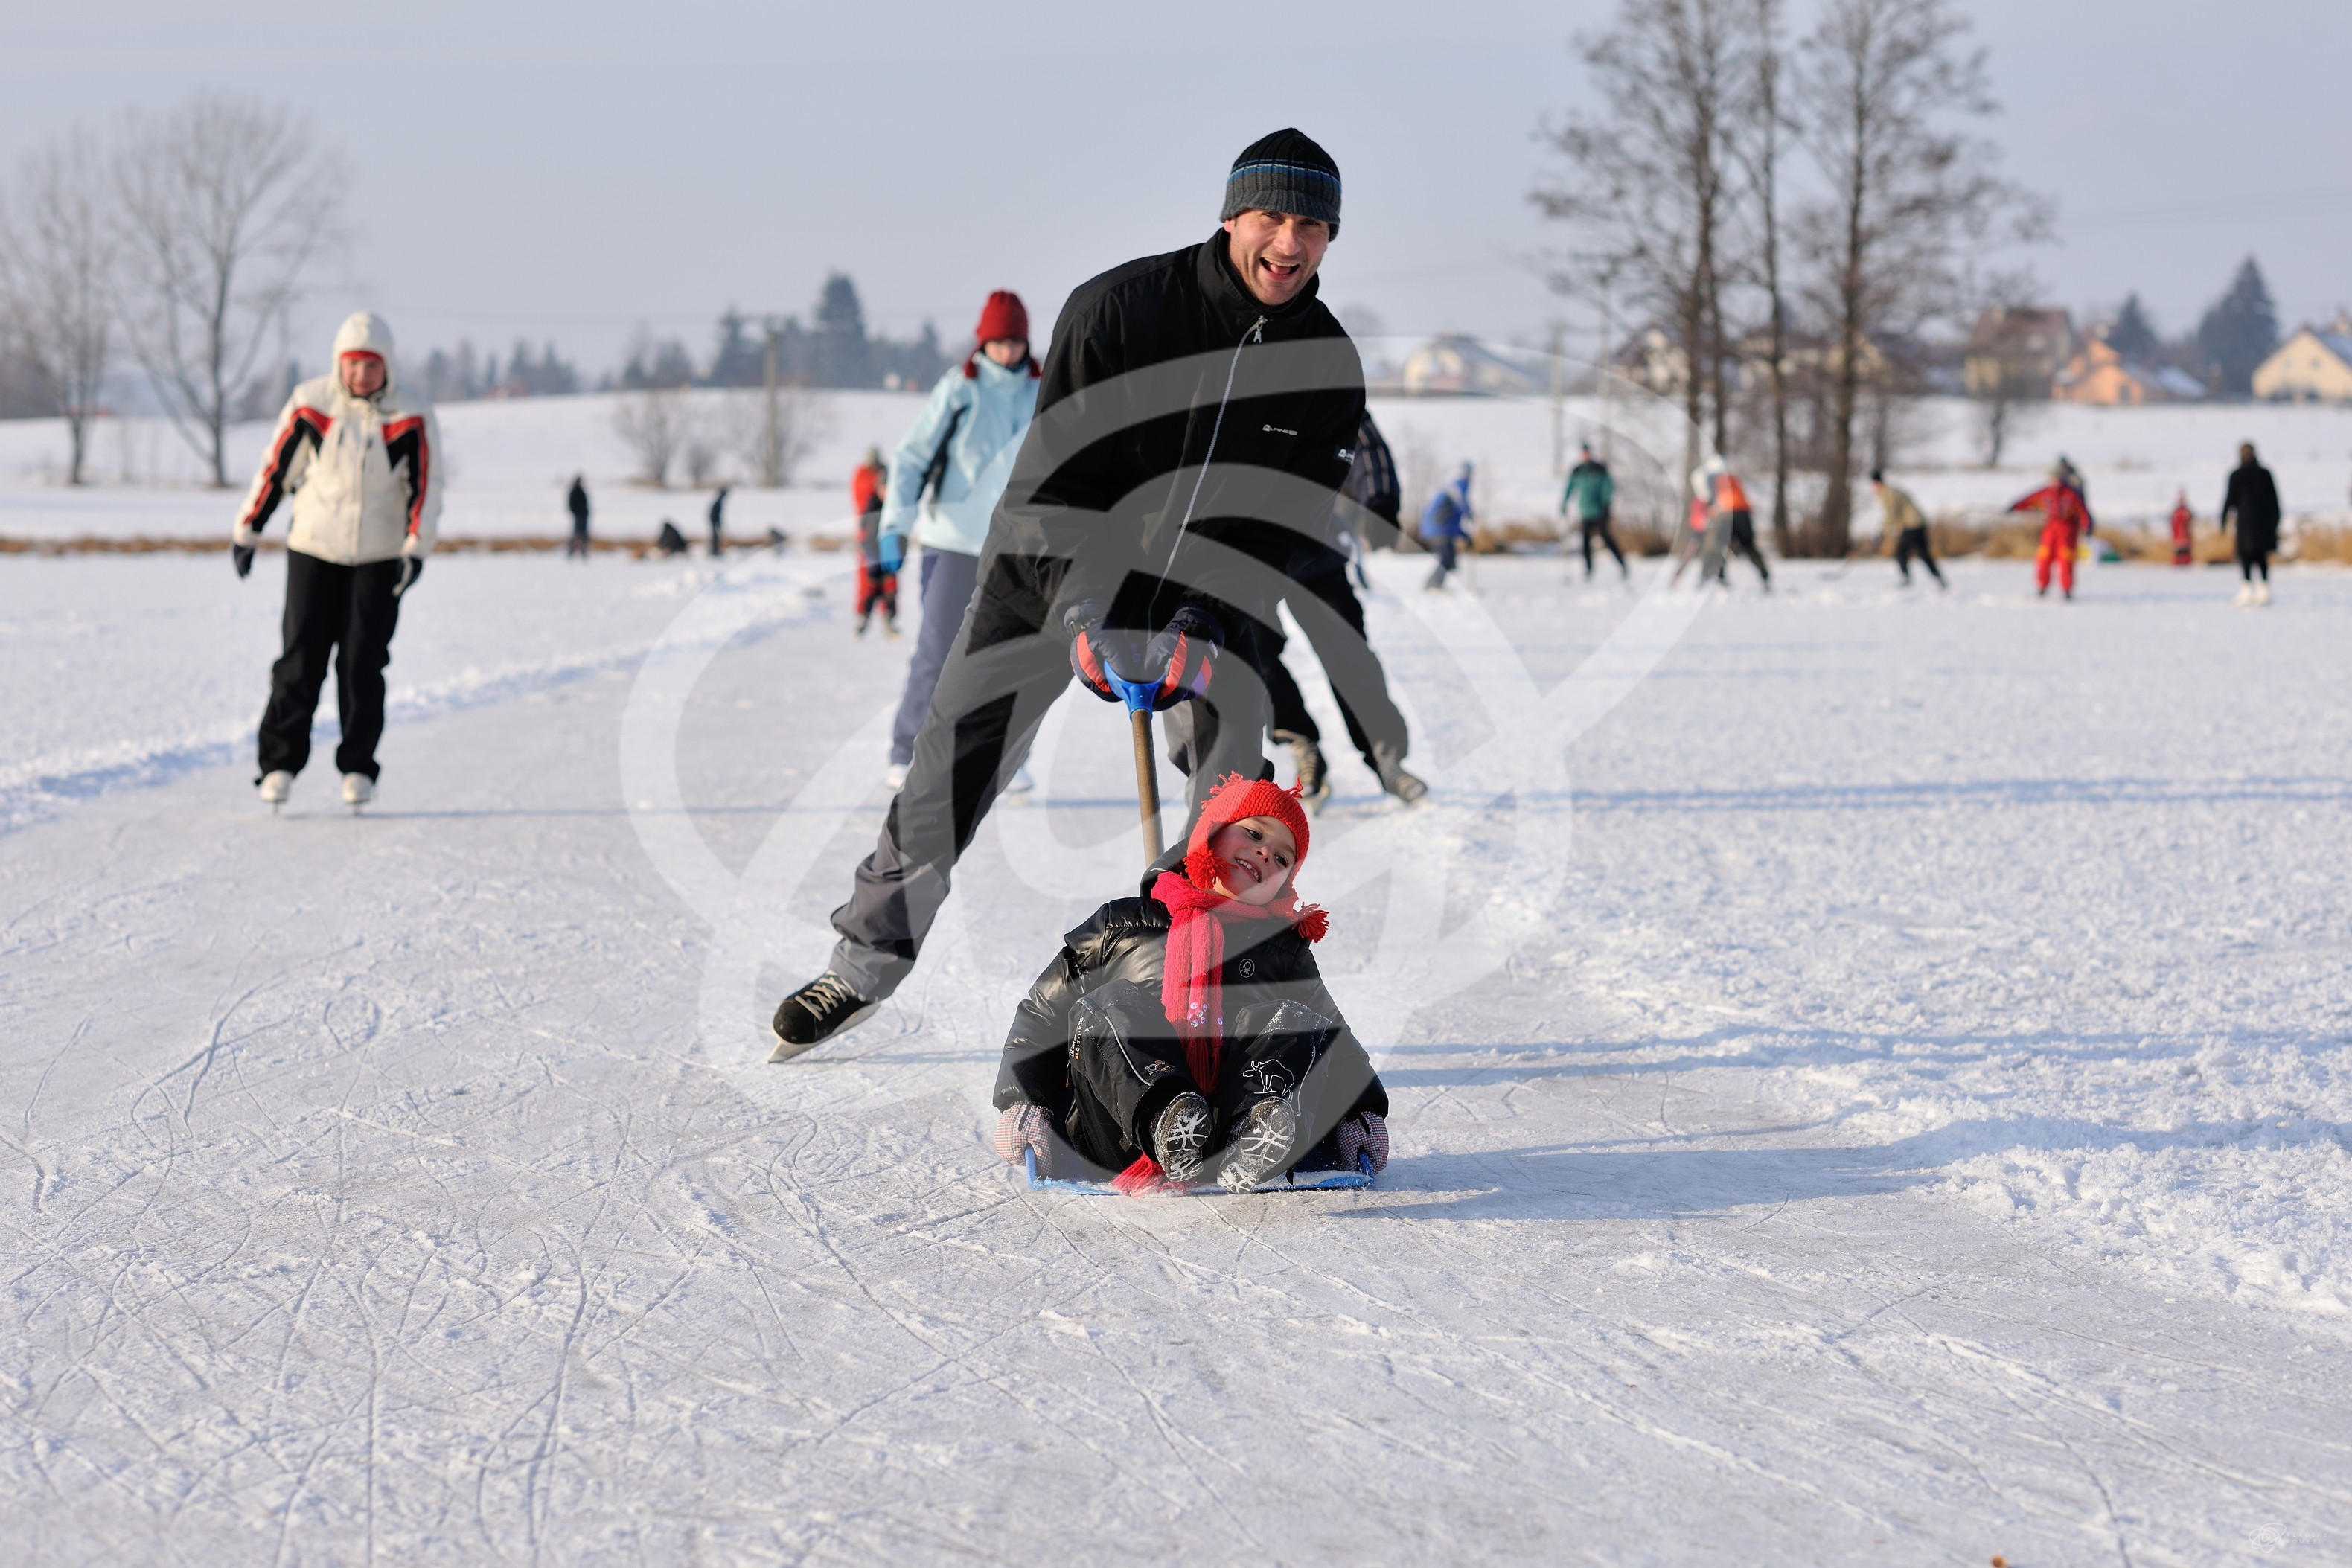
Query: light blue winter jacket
996, 406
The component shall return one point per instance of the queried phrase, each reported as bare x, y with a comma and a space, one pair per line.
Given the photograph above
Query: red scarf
1192, 984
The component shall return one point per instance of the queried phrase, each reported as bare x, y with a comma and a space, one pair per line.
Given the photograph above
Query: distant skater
1908, 524
1728, 518
2065, 520
1445, 523
2184, 524
718, 526
360, 460
2253, 500
577, 501
947, 474
877, 563
1587, 499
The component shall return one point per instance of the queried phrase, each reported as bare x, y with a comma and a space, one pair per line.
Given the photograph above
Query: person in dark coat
1185, 1036
577, 501
717, 529
1332, 615
1222, 399
2252, 501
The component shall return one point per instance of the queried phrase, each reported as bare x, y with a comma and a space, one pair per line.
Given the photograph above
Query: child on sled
1185, 1036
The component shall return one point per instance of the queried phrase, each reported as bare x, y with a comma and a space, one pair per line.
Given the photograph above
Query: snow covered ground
1873, 1077
509, 462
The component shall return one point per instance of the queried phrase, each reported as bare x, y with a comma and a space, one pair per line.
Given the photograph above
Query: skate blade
785, 1050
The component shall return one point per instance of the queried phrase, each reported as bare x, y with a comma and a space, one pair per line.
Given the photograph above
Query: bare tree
225, 202
1757, 146
1877, 80
57, 254
776, 433
1652, 174
659, 429
2007, 379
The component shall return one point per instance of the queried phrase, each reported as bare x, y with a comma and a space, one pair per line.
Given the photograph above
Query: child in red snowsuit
877, 584
2183, 522
1185, 1036
2066, 518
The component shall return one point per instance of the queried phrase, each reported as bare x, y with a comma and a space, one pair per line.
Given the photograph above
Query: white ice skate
2245, 596
357, 791
2261, 594
275, 788
1020, 783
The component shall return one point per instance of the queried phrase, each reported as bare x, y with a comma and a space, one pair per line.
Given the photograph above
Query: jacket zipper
1255, 329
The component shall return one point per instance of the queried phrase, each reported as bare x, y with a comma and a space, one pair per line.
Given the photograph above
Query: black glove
1175, 663
410, 569
241, 558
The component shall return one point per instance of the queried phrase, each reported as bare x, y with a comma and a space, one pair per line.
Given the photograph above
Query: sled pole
1147, 782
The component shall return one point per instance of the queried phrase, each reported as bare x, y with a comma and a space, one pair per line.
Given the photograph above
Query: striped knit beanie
1284, 172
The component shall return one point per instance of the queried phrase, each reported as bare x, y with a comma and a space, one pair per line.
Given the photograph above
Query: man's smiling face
1275, 253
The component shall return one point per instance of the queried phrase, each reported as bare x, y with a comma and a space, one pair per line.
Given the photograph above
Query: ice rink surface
1873, 1080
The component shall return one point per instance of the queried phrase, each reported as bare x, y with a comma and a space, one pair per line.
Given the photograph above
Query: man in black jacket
2253, 500
1196, 416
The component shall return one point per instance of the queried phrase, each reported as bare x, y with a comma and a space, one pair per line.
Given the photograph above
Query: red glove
1366, 1134
1029, 1127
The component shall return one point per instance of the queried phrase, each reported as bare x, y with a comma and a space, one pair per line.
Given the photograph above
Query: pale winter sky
572, 171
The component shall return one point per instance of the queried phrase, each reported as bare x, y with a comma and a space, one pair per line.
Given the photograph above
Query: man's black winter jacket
1170, 392
1126, 939
2254, 498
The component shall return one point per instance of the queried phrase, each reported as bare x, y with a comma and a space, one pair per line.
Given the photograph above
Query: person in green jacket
1586, 499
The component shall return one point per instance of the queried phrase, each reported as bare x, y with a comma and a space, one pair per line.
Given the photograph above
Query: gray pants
947, 582
1004, 669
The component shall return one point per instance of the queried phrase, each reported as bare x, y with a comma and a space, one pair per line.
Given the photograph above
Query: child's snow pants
1127, 1064
2059, 543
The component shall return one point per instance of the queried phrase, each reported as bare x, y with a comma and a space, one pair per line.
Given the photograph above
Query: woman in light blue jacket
946, 478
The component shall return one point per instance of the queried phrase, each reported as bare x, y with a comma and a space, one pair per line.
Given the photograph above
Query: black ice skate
1314, 777
823, 1008
1404, 786
1180, 1137
1261, 1147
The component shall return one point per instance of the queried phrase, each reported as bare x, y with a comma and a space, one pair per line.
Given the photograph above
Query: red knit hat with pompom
1234, 799
1003, 317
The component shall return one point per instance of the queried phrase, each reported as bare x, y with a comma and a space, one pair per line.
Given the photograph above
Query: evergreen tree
842, 356
2238, 330
739, 359
2133, 336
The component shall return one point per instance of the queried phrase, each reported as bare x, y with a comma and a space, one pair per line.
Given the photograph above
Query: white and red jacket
364, 472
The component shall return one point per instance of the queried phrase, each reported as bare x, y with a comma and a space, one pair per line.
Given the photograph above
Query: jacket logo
1346, 455
1277, 430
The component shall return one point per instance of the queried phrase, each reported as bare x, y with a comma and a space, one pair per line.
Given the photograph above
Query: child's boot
1180, 1137
1261, 1146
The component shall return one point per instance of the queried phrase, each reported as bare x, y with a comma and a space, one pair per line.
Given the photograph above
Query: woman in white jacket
363, 464
946, 478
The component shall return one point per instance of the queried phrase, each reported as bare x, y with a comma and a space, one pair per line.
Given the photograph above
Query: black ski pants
1913, 542
1593, 527
339, 617
2253, 561
1743, 542
1127, 1064
1328, 611
1006, 668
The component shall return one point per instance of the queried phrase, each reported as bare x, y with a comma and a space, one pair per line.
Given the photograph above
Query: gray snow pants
948, 578
1006, 667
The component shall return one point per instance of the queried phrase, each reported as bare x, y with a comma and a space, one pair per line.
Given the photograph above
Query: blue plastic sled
1304, 1181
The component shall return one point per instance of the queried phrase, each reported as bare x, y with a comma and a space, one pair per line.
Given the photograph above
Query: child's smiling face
1256, 855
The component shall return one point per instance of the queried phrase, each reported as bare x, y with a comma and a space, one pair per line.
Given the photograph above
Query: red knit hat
1234, 799
1003, 317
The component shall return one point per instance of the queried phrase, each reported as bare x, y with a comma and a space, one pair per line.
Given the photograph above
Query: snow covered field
509, 463
1873, 1077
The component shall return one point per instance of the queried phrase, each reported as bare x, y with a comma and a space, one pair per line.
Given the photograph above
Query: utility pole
1559, 409
1602, 367
770, 442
